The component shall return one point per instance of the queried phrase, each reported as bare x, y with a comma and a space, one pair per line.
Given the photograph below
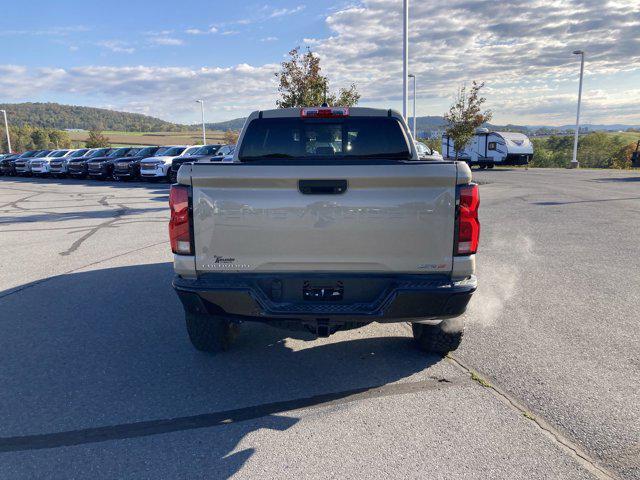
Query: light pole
405, 56
204, 132
411, 75
6, 129
574, 161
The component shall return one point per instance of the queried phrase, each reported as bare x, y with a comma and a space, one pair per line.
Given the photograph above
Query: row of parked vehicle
118, 163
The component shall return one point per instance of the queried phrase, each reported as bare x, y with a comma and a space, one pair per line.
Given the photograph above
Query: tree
59, 139
231, 137
97, 140
465, 115
623, 157
301, 83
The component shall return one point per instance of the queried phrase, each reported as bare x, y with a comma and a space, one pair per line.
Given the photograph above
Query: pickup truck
325, 219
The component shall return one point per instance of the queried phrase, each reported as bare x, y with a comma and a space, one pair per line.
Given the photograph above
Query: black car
77, 167
58, 166
6, 164
203, 153
102, 167
129, 166
24, 158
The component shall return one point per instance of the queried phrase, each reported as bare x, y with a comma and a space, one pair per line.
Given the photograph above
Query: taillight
179, 228
468, 224
324, 112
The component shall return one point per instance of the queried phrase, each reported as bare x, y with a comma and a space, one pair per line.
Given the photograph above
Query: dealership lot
93, 344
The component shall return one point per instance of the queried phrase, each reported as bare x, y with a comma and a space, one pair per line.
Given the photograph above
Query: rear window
344, 138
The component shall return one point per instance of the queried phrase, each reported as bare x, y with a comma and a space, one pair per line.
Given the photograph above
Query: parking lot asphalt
98, 379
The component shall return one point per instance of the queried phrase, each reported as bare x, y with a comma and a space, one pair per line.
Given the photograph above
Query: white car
42, 165
58, 166
159, 166
425, 152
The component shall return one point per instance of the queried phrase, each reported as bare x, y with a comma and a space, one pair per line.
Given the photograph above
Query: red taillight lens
468, 223
179, 230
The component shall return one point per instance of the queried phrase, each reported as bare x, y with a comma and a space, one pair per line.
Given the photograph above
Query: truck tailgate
279, 218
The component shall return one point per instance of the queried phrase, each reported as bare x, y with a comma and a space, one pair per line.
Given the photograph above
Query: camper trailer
488, 148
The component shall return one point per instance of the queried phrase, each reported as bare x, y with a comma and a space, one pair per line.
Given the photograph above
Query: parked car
225, 151
425, 152
23, 164
205, 152
41, 166
23, 158
102, 167
314, 232
7, 164
58, 166
129, 167
77, 167
159, 166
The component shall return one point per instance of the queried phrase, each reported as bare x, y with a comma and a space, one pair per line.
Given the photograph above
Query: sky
157, 57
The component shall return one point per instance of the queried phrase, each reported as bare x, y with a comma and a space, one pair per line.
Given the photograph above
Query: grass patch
477, 378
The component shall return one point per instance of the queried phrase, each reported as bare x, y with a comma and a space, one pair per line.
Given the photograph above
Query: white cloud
48, 31
283, 12
166, 41
269, 39
197, 31
523, 54
116, 46
167, 92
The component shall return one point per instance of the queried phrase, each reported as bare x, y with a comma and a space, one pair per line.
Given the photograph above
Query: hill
54, 115
235, 124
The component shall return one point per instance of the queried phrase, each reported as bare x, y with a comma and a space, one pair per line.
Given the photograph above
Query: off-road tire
209, 333
440, 339
172, 176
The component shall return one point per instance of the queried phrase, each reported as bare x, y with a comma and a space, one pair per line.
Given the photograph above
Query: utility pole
411, 75
574, 161
6, 129
204, 132
405, 56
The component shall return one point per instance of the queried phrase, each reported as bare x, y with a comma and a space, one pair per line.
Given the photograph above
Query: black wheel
209, 333
442, 338
173, 176
482, 167
490, 166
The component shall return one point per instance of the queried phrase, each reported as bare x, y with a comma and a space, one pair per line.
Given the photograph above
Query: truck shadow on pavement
95, 358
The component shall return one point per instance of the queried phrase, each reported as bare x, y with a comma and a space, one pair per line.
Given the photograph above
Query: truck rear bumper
359, 297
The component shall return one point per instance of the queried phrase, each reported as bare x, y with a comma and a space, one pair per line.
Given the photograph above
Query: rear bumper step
364, 298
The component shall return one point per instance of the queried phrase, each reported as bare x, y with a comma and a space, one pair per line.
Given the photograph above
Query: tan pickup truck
325, 219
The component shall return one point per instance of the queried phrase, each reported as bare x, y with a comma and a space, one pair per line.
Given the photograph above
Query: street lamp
405, 57
204, 132
411, 75
574, 161
6, 129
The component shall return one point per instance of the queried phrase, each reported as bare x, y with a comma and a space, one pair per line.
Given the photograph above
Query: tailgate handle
322, 187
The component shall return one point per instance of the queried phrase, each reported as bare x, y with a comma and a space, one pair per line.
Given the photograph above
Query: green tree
59, 139
97, 140
231, 137
622, 158
301, 83
465, 115
40, 138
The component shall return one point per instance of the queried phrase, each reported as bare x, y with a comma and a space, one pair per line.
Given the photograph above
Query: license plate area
322, 292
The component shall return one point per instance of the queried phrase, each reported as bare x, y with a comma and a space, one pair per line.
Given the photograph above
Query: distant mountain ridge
58, 116
55, 115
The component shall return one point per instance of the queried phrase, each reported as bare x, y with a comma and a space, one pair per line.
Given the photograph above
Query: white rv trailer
487, 149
